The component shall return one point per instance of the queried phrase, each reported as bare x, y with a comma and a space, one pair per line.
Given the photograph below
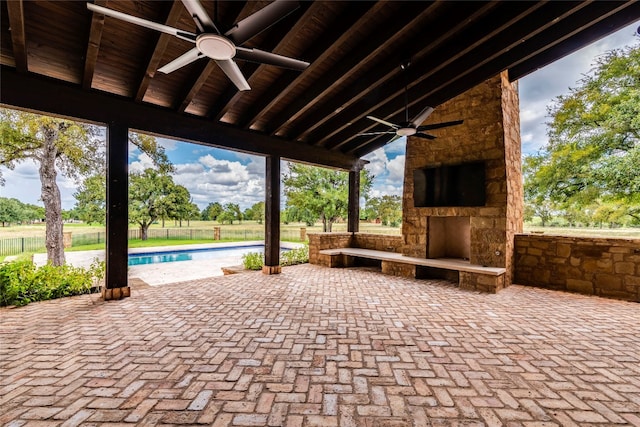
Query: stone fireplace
483, 235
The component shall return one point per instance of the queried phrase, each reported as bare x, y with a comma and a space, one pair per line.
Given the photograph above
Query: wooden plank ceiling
355, 50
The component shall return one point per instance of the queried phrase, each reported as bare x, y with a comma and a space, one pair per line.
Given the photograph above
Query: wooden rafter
93, 47
18, 34
163, 41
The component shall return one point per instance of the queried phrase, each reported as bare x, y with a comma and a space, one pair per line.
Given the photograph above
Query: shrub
255, 260
295, 256
21, 282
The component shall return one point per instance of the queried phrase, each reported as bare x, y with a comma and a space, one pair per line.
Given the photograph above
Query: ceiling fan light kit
222, 48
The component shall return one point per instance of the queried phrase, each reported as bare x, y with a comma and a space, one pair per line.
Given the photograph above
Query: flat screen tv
450, 185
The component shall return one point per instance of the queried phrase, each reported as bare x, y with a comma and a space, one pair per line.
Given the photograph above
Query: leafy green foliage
91, 200
14, 211
230, 212
320, 193
591, 161
255, 260
211, 212
255, 213
295, 256
21, 282
387, 208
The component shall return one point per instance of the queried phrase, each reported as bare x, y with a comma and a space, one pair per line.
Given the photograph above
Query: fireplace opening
449, 237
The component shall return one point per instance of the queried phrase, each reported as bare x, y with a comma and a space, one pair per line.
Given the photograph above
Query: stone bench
470, 276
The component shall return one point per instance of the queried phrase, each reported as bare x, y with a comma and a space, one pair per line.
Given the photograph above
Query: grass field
35, 230
252, 226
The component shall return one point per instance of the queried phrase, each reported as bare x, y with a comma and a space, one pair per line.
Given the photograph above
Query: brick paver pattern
315, 346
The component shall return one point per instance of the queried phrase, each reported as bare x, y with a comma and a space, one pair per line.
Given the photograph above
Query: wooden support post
116, 285
272, 216
353, 216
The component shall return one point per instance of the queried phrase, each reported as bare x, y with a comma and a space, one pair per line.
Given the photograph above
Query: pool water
192, 254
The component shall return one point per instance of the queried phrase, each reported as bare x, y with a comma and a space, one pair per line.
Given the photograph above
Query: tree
54, 145
11, 211
230, 212
255, 212
150, 195
91, 200
594, 141
387, 208
321, 193
211, 212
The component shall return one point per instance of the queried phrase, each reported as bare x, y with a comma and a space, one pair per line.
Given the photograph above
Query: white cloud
224, 181
143, 162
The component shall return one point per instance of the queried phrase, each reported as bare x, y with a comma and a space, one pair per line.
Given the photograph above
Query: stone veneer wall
593, 266
320, 241
490, 133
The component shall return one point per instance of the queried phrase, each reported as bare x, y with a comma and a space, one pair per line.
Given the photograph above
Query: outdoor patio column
272, 216
353, 216
116, 285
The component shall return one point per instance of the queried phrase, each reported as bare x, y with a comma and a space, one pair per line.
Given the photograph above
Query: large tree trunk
144, 228
51, 198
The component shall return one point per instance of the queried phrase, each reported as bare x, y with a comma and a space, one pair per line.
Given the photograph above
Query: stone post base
116, 293
271, 269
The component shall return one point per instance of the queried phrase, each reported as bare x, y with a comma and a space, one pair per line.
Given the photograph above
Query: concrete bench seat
472, 276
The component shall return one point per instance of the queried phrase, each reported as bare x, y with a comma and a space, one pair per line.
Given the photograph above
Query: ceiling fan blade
376, 133
185, 59
232, 71
440, 125
422, 116
200, 16
261, 20
262, 57
424, 135
185, 35
384, 122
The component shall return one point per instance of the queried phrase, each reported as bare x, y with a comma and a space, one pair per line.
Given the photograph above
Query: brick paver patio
322, 347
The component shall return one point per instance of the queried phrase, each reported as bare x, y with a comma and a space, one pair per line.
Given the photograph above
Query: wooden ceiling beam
598, 14
351, 22
93, 47
15, 9
158, 52
423, 84
622, 17
67, 100
338, 133
388, 69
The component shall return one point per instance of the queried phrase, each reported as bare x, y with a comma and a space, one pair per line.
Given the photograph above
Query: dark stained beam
575, 41
93, 47
594, 16
68, 100
378, 77
163, 41
272, 216
351, 22
18, 35
116, 285
197, 85
353, 214
340, 130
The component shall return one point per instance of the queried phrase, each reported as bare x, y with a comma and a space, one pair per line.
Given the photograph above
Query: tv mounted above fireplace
450, 185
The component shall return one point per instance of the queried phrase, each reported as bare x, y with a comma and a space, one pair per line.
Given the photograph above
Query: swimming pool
193, 254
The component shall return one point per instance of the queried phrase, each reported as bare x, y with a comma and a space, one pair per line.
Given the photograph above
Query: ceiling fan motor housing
215, 46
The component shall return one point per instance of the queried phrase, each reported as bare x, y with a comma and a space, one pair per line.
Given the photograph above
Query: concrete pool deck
168, 272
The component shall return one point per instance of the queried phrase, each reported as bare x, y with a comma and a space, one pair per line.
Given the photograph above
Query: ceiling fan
221, 47
410, 127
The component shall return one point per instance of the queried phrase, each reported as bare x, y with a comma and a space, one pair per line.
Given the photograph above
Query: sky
225, 176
